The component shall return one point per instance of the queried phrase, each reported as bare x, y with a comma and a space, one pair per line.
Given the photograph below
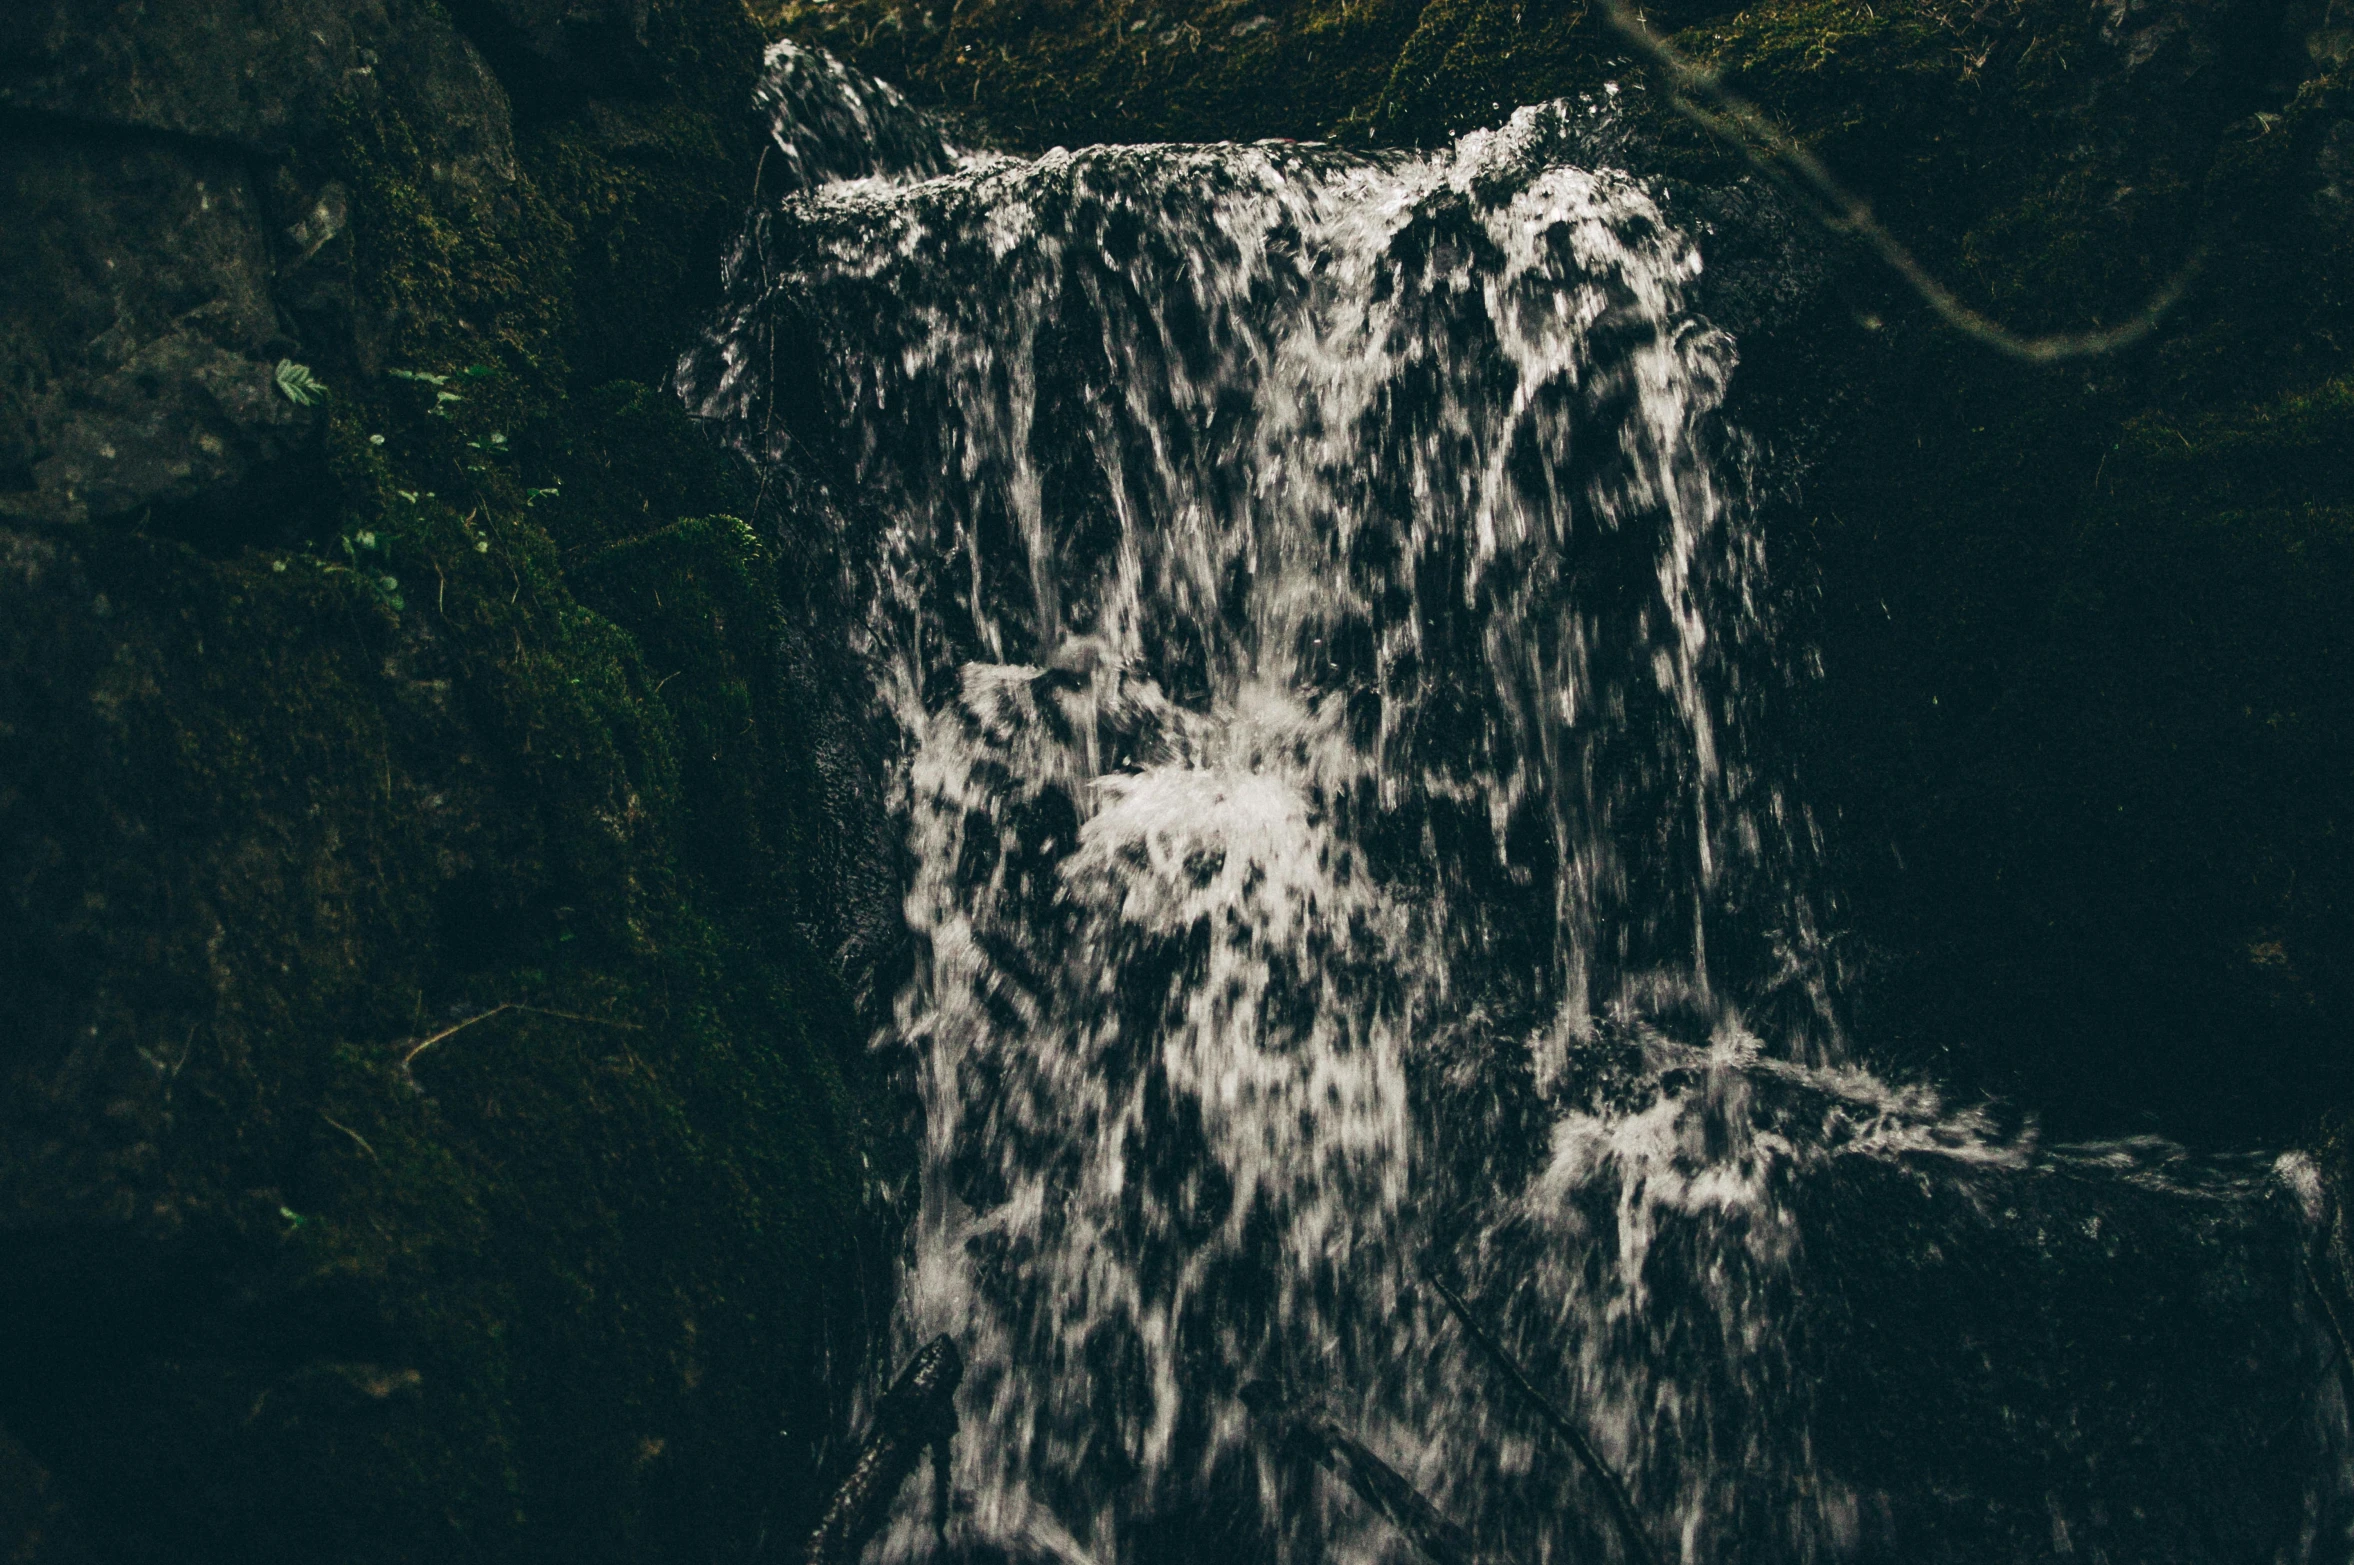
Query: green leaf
302, 388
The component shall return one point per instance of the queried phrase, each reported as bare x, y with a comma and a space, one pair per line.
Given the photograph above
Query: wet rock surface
141, 297
2078, 1356
274, 1280
164, 251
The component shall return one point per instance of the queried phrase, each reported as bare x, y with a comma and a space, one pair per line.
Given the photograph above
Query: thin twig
1772, 150
423, 1044
1622, 1509
575, 1016
347, 1130
455, 1027
2337, 1330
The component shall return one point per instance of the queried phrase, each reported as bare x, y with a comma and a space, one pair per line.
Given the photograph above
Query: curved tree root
916, 1414
1302, 1433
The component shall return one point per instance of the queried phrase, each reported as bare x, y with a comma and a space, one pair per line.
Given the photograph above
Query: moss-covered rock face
434, 1121
305, 1258
2082, 722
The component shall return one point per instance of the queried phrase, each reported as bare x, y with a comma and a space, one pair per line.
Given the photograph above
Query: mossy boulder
436, 1120
1037, 72
411, 1148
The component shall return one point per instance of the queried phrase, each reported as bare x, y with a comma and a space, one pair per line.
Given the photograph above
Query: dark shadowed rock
165, 253
145, 338
602, 1286
257, 73
552, 53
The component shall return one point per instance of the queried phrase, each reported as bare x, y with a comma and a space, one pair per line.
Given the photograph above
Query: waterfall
1328, 633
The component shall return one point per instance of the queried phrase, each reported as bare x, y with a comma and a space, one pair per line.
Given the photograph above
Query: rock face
434, 1118
151, 159
141, 289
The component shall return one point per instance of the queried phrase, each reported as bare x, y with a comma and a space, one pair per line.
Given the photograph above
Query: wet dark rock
165, 254
553, 53
144, 332
2092, 1358
256, 74
450, 701
34, 1525
271, 1279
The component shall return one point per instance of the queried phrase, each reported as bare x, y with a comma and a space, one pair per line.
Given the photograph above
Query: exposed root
916, 1414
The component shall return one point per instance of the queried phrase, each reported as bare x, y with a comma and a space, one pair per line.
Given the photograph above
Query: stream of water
1329, 635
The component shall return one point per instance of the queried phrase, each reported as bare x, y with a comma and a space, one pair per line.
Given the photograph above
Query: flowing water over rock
1333, 661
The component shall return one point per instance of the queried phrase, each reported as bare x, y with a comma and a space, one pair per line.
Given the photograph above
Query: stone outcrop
434, 1116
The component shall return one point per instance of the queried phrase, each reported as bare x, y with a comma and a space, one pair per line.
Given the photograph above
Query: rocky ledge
434, 1116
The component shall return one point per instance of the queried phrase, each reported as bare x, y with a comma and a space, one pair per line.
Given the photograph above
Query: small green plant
487, 445
302, 388
382, 582
442, 398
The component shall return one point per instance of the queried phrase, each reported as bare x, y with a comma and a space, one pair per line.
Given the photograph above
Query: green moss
502, 725
1032, 73
432, 284
550, 1280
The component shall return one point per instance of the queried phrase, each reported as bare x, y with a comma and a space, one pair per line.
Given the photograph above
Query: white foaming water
1328, 633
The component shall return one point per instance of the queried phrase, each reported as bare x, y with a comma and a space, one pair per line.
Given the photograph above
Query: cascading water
1327, 630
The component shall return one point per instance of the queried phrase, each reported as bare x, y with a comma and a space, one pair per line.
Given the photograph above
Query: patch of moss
1034, 73
486, 742
541, 1289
